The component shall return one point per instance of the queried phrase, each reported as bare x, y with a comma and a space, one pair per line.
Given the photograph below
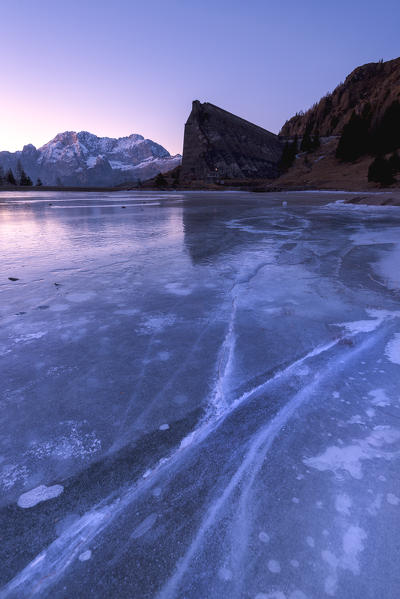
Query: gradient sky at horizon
121, 67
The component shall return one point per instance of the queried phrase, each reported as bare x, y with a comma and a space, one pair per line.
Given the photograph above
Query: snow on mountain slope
84, 159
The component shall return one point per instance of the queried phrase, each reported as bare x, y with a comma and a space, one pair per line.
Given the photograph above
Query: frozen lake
200, 396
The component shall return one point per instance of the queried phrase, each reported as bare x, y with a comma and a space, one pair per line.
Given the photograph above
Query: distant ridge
84, 159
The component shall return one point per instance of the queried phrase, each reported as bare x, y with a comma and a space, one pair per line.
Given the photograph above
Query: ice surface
207, 385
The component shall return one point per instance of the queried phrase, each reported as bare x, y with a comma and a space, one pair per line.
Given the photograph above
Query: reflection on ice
201, 397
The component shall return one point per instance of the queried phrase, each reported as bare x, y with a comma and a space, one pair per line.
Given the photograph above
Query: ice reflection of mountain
201, 397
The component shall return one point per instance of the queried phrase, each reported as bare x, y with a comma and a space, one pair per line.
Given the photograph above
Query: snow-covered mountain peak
83, 158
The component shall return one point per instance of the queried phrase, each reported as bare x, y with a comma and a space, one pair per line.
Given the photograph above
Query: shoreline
375, 197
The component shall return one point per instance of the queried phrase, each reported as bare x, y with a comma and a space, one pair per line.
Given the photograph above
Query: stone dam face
219, 145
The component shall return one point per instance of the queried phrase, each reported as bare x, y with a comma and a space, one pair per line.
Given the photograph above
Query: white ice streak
49, 565
144, 526
219, 400
252, 463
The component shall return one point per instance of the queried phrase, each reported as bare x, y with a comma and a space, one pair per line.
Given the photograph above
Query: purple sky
124, 66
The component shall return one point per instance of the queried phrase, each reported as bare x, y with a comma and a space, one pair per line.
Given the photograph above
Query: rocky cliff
374, 86
219, 146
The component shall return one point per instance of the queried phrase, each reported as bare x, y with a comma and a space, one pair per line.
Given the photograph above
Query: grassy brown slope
322, 170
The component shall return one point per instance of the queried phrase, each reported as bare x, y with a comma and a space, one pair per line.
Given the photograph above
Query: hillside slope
376, 84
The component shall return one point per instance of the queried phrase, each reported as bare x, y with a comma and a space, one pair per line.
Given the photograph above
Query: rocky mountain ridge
72, 158
373, 86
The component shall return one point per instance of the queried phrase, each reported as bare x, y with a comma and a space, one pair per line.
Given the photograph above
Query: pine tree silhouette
380, 171
10, 179
160, 181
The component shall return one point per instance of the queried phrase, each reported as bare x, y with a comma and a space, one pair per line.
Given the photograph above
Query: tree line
20, 178
309, 143
362, 136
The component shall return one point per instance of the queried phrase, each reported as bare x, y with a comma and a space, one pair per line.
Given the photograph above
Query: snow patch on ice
30, 337
343, 504
177, 289
392, 499
80, 297
156, 492
225, 574
10, 474
352, 545
39, 494
73, 444
156, 324
379, 398
349, 458
375, 505
264, 537
274, 566
367, 326
392, 349
360, 326
388, 266
85, 556
59, 307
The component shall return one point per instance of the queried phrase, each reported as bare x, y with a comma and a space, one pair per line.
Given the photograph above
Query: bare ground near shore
322, 170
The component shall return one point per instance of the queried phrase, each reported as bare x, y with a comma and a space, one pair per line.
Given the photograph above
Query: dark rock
219, 145
13, 279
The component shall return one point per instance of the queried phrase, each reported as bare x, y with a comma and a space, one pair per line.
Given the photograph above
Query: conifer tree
289, 153
176, 178
380, 171
2, 176
306, 142
39, 183
315, 142
386, 135
355, 140
10, 179
19, 172
394, 162
24, 179
160, 181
